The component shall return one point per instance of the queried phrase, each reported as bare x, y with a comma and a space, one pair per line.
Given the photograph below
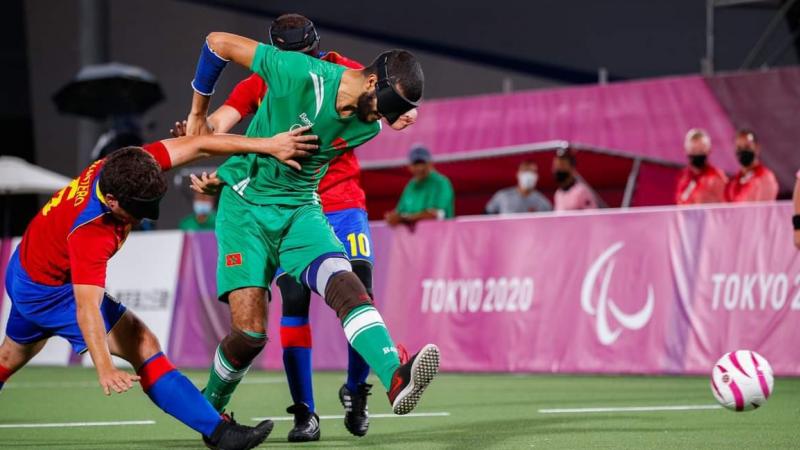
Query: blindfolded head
293, 32
398, 86
132, 181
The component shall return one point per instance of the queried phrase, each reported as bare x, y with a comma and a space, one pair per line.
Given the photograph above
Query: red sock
5, 373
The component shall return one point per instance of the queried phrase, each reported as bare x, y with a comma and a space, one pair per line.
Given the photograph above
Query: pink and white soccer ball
741, 380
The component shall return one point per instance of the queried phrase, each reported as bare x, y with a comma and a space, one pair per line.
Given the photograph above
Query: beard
364, 107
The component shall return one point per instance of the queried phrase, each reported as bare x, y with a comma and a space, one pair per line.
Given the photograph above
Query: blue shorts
351, 227
39, 311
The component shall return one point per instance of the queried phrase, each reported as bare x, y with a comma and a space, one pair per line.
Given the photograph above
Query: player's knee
345, 292
363, 270
319, 273
248, 309
296, 297
241, 347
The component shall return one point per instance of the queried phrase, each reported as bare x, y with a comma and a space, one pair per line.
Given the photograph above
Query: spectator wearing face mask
754, 182
521, 198
699, 182
572, 193
203, 216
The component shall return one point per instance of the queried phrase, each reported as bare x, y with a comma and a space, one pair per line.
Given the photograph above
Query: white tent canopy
20, 177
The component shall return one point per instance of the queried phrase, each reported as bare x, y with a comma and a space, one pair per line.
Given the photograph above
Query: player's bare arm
90, 321
286, 147
220, 48
220, 121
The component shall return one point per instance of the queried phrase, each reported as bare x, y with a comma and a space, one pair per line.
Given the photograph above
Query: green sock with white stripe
367, 333
223, 379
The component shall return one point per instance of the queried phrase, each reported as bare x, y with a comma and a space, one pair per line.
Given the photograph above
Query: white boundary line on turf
371, 416
92, 384
77, 424
629, 409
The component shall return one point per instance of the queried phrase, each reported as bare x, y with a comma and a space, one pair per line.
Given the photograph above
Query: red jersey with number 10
341, 187
74, 235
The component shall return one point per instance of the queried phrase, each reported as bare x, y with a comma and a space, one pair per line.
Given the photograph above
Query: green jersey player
270, 217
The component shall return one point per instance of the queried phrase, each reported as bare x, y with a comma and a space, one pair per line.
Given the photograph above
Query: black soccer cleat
306, 424
411, 379
229, 435
356, 413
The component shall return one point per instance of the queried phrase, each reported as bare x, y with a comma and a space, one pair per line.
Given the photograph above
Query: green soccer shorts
254, 240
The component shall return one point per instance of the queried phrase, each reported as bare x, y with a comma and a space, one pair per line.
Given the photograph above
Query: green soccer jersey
434, 192
301, 91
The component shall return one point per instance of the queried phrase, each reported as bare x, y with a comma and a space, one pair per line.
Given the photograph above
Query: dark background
467, 48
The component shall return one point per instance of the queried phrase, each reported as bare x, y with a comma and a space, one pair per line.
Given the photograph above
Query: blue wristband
209, 67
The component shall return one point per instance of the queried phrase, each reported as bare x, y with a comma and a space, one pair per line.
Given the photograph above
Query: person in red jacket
754, 182
796, 216
699, 182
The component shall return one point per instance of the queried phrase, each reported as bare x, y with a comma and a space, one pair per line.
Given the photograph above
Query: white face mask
202, 207
527, 180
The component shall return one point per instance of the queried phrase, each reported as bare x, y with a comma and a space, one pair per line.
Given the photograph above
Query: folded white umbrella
18, 176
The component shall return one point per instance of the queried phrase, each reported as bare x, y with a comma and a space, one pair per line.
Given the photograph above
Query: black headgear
295, 39
141, 208
391, 104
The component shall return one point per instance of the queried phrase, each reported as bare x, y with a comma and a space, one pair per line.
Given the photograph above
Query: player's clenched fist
116, 380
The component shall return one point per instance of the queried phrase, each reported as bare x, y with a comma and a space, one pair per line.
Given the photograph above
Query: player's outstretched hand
291, 145
206, 183
179, 130
116, 380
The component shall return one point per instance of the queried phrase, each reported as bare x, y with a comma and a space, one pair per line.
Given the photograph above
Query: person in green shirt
203, 216
428, 196
270, 217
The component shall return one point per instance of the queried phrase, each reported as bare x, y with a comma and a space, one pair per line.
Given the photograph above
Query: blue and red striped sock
296, 343
5, 373
176, 395
357, 369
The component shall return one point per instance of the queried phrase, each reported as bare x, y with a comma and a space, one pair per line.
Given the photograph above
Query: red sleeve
247, 95
90, 247
337, 58
160, 153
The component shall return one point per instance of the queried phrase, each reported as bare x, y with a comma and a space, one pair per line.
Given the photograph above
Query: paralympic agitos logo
607, 330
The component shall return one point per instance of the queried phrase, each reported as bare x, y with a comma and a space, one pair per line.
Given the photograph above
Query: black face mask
745, 156
304, 40
561, 176
142, 208
698, 161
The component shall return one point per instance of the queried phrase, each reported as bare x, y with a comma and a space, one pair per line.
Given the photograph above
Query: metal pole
708, 61
602, 76
773, 24
630, 186
93, 49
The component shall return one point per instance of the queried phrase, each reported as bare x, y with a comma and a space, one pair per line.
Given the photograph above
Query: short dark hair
405, 71
567, 155
747, 132
130, 173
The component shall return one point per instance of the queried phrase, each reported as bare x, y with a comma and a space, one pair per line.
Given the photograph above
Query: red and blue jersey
74, 235
341, 187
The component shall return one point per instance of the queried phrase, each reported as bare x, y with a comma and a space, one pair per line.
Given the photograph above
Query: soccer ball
741, 380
